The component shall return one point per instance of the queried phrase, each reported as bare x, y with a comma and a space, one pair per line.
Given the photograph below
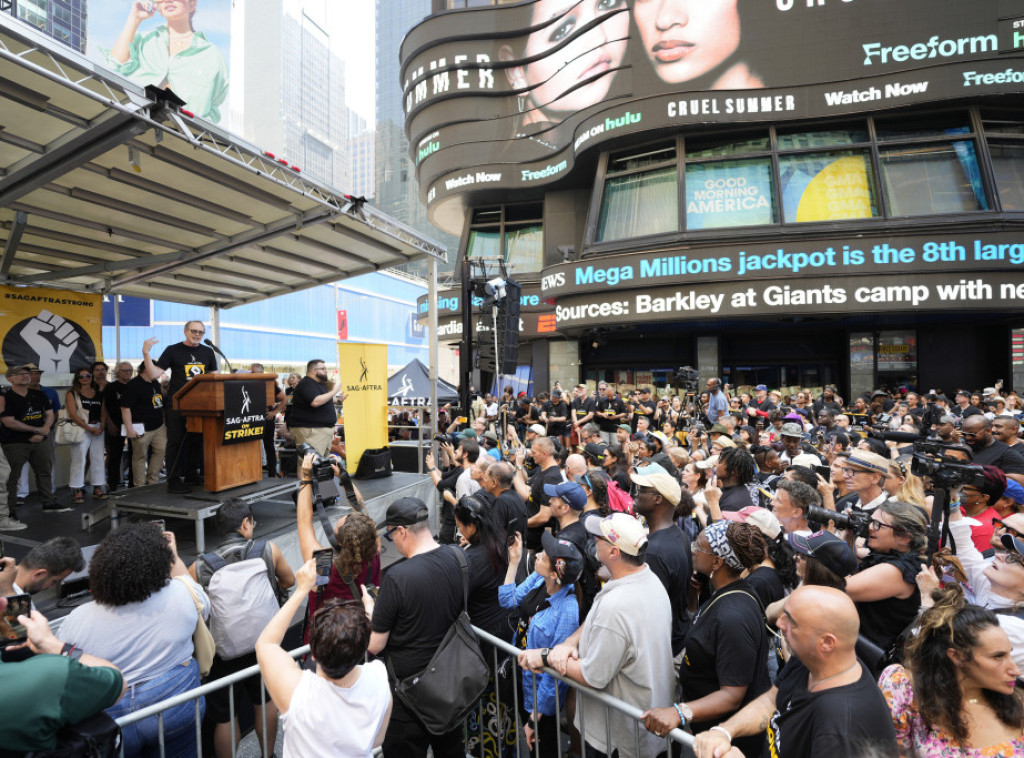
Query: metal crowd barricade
584, 694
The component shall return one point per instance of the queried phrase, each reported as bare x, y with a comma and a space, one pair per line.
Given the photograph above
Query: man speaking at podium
185, 360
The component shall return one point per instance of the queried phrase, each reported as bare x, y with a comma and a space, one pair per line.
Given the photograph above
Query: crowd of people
767, 586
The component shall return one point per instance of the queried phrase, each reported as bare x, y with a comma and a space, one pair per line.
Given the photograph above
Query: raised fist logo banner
55, 329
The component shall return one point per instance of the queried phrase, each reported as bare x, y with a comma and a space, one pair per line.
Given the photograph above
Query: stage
185, 515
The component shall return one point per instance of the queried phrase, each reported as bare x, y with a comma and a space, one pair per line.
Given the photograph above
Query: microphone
219, 352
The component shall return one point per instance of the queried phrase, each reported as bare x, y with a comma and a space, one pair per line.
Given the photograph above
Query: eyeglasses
875, 524
998, 524
1015, 557
200, 332
695, 548
389, 535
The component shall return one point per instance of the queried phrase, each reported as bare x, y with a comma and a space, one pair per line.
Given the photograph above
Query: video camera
856, 521
686, 377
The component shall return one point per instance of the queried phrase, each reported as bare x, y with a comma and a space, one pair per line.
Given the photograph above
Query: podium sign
245, 414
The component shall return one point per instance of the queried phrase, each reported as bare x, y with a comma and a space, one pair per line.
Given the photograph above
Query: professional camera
686, 377
856, 521
322, 470
944, 472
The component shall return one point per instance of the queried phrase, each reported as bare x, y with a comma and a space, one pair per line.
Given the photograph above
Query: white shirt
466, 484
325, 719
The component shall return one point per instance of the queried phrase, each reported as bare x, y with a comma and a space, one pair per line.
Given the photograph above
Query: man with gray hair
791, 502
546, 472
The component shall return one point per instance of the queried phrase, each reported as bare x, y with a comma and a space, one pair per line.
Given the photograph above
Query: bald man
825, 703
575, 467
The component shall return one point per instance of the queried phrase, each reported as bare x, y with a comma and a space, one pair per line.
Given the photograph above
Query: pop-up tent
411, 386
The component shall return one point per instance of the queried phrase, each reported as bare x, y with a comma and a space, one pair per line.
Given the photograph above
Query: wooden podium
202, 402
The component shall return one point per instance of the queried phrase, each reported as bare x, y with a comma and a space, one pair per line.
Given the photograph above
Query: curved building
791, 192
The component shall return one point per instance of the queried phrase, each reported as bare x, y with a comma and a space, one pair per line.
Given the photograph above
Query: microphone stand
219, 352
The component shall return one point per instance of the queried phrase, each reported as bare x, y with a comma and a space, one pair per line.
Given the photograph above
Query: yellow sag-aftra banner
364, 377
58, 330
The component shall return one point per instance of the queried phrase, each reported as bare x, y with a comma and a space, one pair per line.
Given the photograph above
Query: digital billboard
508, 96
181, 45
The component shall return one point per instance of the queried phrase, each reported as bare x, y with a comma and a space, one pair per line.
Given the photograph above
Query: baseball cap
571, 492
666, 484
719, 429
556, 393
565, 557
761, 388
620, 529
470, 433
625, 428
762, 518
724, 441
537, 429
792, 430
834, 553
1014, 491
405, 511
15, 369
32, 367
807, 460
708, 463
595, 450
645, 390
1013, 543
523, 396
865, 460
947, 419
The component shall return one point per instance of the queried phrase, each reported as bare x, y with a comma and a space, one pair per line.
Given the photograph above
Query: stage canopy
411, 386
108, 187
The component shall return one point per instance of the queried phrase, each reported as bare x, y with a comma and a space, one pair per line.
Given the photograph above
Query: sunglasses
389, 535
84, 376
200, 332
998, 524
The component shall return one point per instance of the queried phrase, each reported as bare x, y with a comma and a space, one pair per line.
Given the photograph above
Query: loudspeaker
508, 328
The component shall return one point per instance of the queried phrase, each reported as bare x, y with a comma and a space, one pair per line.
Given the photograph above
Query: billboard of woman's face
694, 41
572, 77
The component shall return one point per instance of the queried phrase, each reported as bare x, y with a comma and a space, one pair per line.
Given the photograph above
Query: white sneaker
8, 524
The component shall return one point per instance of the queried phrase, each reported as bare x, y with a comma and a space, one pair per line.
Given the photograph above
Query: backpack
242, 597
618, 500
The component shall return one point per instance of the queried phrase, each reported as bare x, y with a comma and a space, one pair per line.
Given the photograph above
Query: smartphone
825, 472
511, 531
463, 419
11, 632
324, 560
160, 523
372, 590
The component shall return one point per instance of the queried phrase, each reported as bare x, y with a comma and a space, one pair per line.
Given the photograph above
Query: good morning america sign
509, 95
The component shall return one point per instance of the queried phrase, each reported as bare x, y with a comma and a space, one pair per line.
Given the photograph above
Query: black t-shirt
420, 598
767, 585
839, 722
550, 475
727, 645
186, 362
555, 409
30, 410
92, 407
820, 405
145, 401
638, 410
484, 609
1001, 455
615, 406
881, 621
735, 498
112, 395
582, 406
303, 412
510, 505
970, 410
668, 555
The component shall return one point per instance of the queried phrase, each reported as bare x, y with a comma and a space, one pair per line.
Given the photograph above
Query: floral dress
916, 738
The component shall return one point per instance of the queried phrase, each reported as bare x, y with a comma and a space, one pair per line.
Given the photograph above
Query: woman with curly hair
356, 560
958, 694
142, 622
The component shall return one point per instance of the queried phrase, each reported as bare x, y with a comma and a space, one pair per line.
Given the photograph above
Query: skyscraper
397, 192
288, 87
64, 20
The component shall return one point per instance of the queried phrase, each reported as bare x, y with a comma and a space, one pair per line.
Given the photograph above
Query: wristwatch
544, 651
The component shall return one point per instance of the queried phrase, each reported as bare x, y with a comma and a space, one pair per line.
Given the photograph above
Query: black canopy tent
410, 387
